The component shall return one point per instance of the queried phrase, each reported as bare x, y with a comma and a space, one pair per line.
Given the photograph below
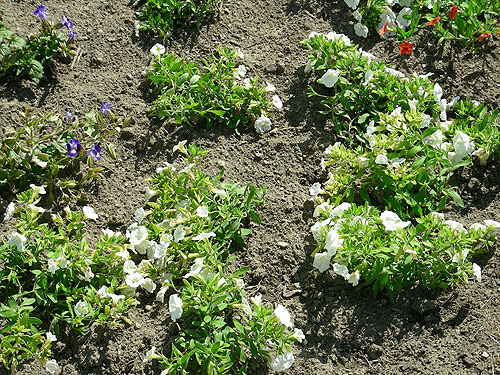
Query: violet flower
40, 12
95, 151
74, 147
105, 108
66, 22
69, 118
72, 35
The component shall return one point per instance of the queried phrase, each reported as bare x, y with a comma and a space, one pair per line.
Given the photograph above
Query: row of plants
467, 21
401, 143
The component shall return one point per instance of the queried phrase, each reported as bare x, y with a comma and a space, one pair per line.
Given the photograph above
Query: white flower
455, 225
333, 242
36, 209
392, 221
315, 189
437, 215
354, 278
462, 144
103, 292
361, 30
240, 72
179, 234
203, 236
202, 211
149, 285
51, 337
368, 78
139, 215
438, 92
394, 72
246, 83
477, 271
179, 146
322, 209
298, 335
157, 50
318, 229
404, 3
492, 224
38, 189
435, 139
109, 233
476, 227
341, 270
90, 213
426, 121
353, 4
336, 37
277, 102
308, 67
175, 307
460, 256
160, 296
82, 308
283, 315
159, 251
357, 16
52, 266
381, 159
257, 300
396, 162
339, 210
239, 283
88, 274
195, 268
9, 211
401, 17
136, 234
239, 54
40, 163
150, 193
221, 193
330, 78
270, 87
262, 124
129, 266
149, 355
322, 261
51, 366
134, 279
282, 362
367, 55
18, 240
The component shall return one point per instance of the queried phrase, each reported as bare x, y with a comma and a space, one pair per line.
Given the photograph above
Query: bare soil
347, 331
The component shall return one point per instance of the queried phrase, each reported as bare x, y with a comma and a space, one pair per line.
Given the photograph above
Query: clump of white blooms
262, 124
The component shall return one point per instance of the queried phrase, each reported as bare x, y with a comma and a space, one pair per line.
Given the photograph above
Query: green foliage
33, 56
207, 94
48, 271
163, 16
405, 139
34, 151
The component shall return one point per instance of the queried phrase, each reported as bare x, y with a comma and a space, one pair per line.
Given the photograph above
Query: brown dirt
347, 331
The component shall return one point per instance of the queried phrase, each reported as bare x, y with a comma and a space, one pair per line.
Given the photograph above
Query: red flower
405, 48
453, 11
433, 21
483, 36
383, 29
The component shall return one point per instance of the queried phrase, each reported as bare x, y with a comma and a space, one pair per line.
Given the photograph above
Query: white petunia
38, 189
158, 49
438, 215
270, 87
9, 211
438, 93
139, 215
257, 300
204, 236
282, 362
341, 270
330, 78
396, 162
462, 144
150, 193
149, 355
246, 83
82, 308
426, 121
179, 234
308, 67
394, 72
361, 30
315, 189
51, 366
181, 146
460, 256
196, 268
136, 234
240, 72
277, 102
36, 209
476, 227
202, 211
18, 240
129, 266
103, 292
492, 224
322, 261
51, 337
333, 242
435, 139
354, 278
160, 296
318, 229
339, 210
262, 124
353, 4
322, 209
455, 225
149, 285
477, 271
392, 222
368, 78
283, 315
298, 335
90, 213
134, 279
357, 16
175, 307
401, 17
381, 159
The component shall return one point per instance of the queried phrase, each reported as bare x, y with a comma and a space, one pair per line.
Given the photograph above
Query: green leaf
456, 197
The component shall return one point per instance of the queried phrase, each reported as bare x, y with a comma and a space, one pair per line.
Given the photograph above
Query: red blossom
483, 36
453, 11
383, 29
433, 21
405, 48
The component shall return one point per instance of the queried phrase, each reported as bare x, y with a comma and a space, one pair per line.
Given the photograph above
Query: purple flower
95, 151
40, 12
105, 108
72, 35
74, 147
66, 22
69, 118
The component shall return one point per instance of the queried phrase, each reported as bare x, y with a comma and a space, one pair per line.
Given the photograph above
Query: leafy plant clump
51, 275
403, 139
31, 57
214, 92
48, 150
163, 16
184, 235
467, 21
